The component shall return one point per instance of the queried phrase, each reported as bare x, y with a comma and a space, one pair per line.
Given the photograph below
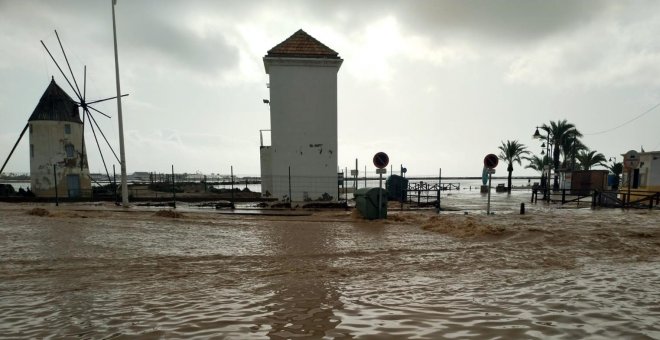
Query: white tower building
56, 147
303, 118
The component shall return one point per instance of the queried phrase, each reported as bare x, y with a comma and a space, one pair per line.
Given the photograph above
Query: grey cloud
518, 21
165, 34
154, 28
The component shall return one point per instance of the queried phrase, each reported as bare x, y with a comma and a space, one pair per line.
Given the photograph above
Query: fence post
173, 188
593, 199
57, 199
232, 186
439, 186
338, 186
345, 187
651, 201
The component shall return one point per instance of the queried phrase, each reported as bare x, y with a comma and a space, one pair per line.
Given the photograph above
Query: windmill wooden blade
59, 68
99, 146
83, 142
89, 107
14, 148
105, 99
91, 117
69, 65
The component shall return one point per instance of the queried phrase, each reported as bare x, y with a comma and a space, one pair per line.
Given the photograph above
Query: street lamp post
547, 144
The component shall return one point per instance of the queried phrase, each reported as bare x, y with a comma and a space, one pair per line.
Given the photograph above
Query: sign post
490, 162
439, 188
380, 161
630, 161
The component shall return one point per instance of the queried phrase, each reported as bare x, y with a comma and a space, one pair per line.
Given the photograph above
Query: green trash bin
397, 188
366, 202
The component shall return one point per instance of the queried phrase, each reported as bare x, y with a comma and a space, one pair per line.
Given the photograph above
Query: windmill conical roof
55, 104
302, 45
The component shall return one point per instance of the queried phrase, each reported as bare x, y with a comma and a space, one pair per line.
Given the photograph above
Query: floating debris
39, 212
168, 213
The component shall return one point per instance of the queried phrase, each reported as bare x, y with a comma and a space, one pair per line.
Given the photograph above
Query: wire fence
339, 186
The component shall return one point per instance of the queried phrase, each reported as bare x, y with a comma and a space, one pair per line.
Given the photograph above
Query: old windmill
57, 137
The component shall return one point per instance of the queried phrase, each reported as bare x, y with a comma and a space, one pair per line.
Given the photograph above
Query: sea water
100, 272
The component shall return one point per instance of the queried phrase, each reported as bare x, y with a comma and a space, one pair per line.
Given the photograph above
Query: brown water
92, 272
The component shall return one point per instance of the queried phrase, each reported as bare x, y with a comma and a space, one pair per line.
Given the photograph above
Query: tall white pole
122, 154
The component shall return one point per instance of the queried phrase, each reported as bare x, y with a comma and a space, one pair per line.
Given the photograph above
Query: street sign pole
380, 160
380, 194
631, 161
490, 177
490, 162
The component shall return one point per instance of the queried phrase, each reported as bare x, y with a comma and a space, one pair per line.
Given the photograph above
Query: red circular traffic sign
381, 160
490, 161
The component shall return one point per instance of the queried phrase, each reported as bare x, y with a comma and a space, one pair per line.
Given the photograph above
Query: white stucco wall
303, 115
266, 171
48, 142
650, 170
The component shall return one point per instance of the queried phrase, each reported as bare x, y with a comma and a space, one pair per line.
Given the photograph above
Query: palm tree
588, 159
570, 147
511, 152
616, 169
538, 164
560, 131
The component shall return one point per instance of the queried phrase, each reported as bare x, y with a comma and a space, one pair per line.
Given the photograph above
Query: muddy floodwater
97, 271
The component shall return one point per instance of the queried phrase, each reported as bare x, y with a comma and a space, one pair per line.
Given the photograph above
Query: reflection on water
553, 273
301, 299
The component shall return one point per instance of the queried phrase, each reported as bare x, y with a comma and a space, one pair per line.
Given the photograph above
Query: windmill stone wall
56, 139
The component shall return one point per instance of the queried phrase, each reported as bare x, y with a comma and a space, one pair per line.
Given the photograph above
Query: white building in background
647, 176
303, 118
56, 147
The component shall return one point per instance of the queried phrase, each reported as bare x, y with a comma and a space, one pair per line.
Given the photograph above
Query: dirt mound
168, 213
406, 218
38, 212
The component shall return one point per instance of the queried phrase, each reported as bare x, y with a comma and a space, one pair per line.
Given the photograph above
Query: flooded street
100, 272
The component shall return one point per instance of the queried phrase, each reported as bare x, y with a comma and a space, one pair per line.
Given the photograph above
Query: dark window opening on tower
69, 150
67, 129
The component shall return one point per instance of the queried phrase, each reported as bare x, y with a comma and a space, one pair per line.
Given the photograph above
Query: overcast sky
435, 84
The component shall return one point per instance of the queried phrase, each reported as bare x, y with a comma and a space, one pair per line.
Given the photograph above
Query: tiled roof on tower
302, 45
55, 104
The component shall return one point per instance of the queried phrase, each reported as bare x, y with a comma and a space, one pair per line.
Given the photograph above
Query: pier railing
601, 198
427, 193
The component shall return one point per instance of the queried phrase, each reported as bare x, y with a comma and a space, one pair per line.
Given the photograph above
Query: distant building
140, 176
583, 181
303, 118
647, 176
56, 147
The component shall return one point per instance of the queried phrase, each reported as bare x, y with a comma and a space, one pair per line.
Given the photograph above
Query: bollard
522, 208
